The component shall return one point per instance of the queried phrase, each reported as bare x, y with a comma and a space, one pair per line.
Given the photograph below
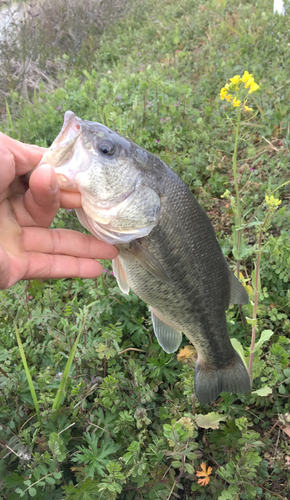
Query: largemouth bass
168, 252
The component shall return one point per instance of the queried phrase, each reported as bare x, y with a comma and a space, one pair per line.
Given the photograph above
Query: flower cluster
233, 86
272, 202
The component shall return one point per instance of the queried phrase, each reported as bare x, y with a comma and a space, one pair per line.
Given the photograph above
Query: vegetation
111, 415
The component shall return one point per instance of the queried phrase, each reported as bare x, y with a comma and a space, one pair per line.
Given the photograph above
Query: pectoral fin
120, 275
169, 338
150, 263
238, 293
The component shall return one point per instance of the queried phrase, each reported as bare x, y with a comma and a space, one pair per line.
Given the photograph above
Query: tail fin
209, 383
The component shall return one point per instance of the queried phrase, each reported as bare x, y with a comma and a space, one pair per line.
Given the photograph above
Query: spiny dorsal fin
120, 276
150, 263
238, 293
169, 338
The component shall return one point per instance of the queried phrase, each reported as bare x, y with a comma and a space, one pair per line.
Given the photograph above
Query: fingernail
53, 182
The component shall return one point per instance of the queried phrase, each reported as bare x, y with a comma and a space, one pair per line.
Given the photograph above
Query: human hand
28, 249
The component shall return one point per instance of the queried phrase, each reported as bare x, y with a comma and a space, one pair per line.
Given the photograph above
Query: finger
25, 156
4, 268
46, 266
70, 199
7, 167
42, 200
66, 242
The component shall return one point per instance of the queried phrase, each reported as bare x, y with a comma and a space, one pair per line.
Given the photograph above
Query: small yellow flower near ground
246, 108
236, 103
246, 76
229, 97
236, 79
272, 202
205, 473
185, 353
253, 87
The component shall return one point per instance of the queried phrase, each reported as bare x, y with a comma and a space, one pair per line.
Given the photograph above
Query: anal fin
120, 276
169, 338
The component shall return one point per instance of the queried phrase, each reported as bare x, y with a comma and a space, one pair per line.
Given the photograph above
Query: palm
28, 249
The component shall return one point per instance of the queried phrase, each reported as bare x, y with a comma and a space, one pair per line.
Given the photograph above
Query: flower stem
256, 298
238, 216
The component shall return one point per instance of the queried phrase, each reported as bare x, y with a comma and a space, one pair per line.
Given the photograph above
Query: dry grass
45, 38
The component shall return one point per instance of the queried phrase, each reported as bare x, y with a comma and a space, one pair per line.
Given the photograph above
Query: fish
168, 251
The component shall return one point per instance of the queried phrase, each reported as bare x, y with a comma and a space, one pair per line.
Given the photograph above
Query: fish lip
68, 125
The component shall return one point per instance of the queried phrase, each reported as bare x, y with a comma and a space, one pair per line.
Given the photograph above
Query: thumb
42, 200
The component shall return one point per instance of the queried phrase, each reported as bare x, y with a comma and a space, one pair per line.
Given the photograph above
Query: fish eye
106, 147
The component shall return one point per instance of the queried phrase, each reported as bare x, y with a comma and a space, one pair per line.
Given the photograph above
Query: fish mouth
62, 151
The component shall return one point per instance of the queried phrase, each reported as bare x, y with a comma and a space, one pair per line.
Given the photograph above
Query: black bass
168, 252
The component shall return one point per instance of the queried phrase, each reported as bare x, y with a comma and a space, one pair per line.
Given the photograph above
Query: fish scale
168, 252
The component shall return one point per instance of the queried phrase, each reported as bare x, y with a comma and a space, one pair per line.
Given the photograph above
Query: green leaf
28, 376
210, 421
240, 350
189, 468
265, 336
32, 492
61, 390
264, 391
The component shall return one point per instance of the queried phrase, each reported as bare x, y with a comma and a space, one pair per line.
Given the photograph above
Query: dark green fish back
185, 244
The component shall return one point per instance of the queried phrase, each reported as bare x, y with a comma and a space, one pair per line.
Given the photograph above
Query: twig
272, 493
131, 349
270, 144
269, 432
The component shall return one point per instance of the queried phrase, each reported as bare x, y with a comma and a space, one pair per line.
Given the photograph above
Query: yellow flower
249, 82
229, 97
246, 108
236, 103
205, 473
246, 76
236, 79
185, 353
253, 87
223, 93
272, 202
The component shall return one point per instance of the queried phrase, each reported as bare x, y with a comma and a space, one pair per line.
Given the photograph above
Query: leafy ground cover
129, 426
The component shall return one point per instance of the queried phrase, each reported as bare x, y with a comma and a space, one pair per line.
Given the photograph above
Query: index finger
26, 156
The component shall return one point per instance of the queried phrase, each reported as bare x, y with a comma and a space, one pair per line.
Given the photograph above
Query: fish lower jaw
65, 183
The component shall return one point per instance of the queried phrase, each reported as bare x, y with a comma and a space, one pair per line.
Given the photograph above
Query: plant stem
239, 217
256, 298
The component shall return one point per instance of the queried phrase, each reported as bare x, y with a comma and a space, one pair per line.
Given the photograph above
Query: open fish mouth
66, 153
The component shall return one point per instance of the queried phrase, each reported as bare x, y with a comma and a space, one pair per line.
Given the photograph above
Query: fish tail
210, 382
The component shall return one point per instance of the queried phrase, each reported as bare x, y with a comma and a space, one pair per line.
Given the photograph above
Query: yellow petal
236, 79
253, 87
229, 97
236, 103
249, 82
246, 76
246, 108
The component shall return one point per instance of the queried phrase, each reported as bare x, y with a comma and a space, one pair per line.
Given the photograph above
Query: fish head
113, 175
